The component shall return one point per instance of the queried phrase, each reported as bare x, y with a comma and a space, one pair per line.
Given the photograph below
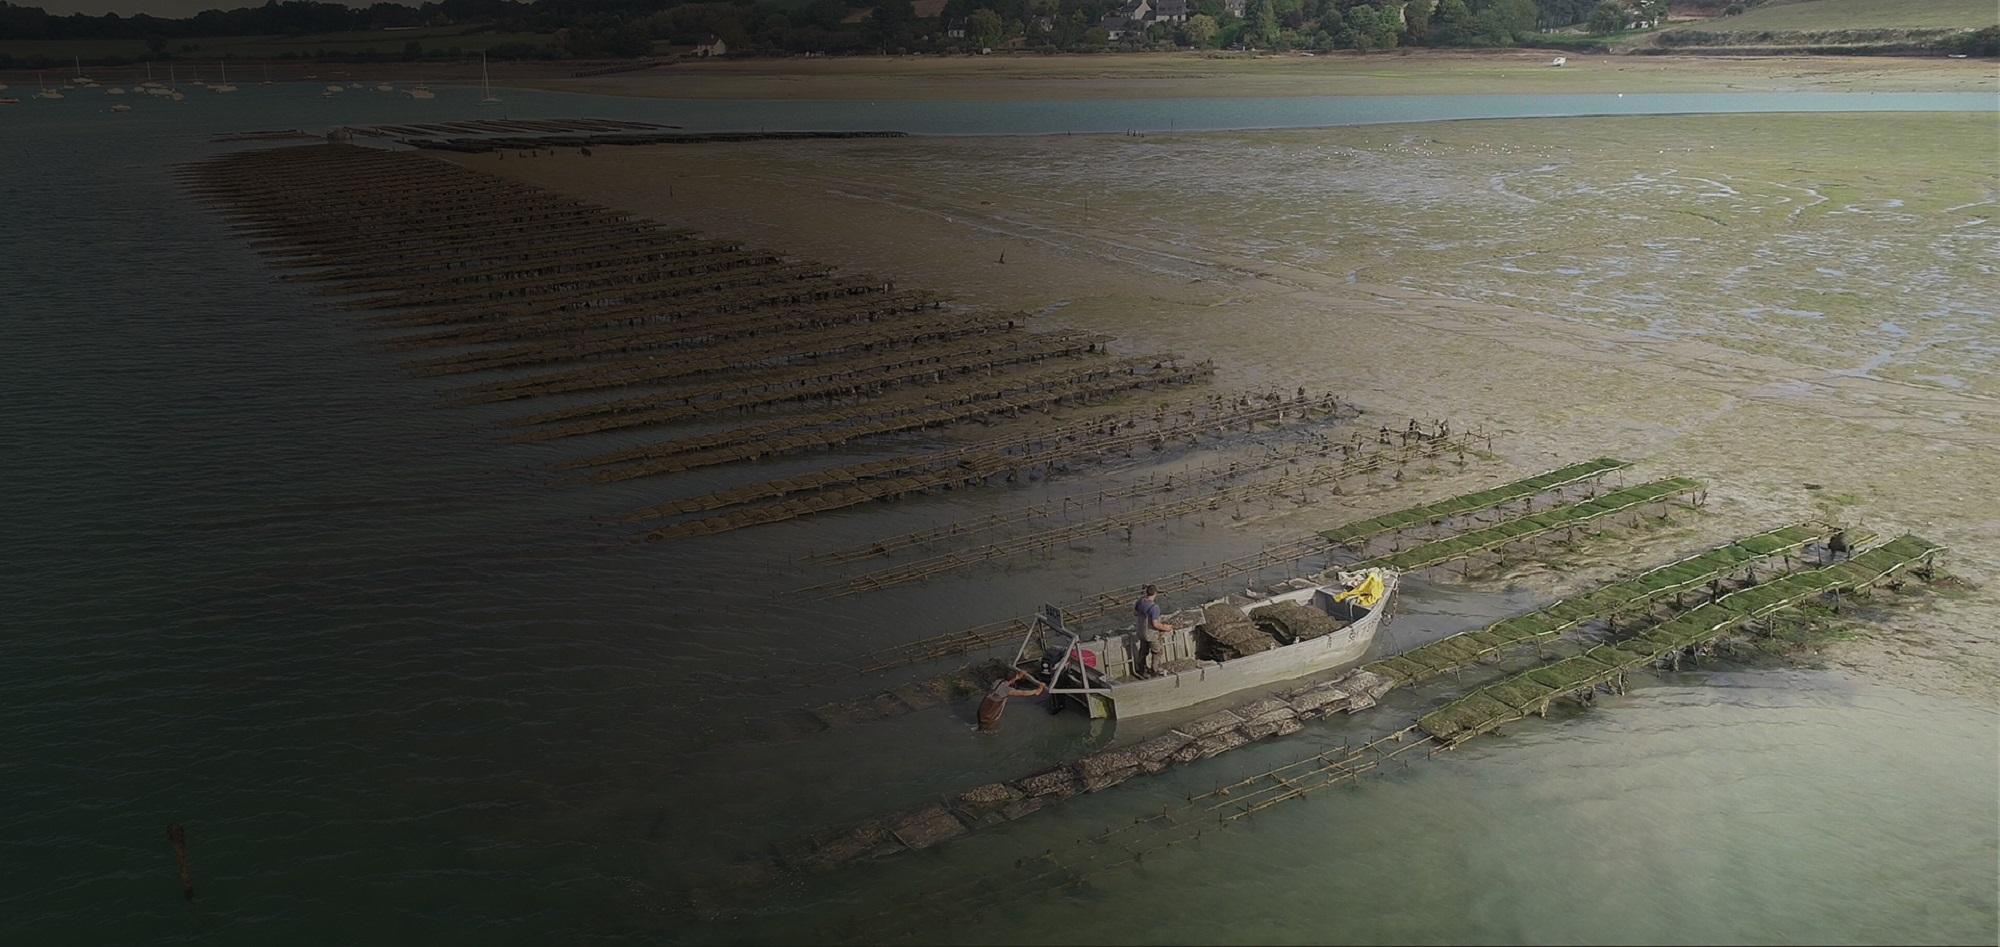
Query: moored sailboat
486, 84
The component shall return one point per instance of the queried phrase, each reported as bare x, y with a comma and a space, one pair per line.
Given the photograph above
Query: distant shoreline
1130, 75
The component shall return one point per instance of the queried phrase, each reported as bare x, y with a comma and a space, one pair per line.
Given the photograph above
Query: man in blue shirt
1146, 612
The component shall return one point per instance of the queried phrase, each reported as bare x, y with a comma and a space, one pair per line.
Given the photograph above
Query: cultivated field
1818, 16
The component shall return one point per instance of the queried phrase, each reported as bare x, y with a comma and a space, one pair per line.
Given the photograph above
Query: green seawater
403, 684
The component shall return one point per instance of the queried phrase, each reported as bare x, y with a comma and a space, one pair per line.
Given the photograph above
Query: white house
1135, 16
1130, 18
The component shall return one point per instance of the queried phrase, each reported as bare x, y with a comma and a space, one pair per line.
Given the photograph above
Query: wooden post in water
178, 837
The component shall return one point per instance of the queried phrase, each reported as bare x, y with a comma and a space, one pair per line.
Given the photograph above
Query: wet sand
1178, 75
1483, 271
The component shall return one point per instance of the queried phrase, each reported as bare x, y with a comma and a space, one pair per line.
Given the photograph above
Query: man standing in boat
1146, 612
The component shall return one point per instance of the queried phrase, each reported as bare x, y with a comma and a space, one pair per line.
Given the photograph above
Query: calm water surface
402, 686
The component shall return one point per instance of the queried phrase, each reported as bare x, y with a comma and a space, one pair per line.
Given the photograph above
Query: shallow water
402, 686
289, 105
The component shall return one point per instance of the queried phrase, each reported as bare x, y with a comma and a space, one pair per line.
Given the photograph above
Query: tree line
597, 28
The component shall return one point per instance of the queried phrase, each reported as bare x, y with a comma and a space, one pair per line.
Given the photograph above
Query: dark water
401, 686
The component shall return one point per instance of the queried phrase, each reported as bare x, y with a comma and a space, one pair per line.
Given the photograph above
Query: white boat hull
1210, 680
1187, 688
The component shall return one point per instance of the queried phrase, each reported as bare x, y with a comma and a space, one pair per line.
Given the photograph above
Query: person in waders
1146, 612
995, 701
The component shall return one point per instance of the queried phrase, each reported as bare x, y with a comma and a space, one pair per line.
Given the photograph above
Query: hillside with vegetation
559, 29
598, 29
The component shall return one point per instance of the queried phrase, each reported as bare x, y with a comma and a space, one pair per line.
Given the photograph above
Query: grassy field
1816, 16
1593, 40
470, 41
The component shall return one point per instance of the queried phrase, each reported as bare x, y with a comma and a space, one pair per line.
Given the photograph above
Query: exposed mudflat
1190, 74
369, 651
1796, 307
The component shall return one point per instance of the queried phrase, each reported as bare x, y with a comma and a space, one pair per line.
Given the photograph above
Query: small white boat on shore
1225, 646
420, 91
